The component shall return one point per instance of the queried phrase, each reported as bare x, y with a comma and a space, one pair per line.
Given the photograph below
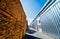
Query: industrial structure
48, 19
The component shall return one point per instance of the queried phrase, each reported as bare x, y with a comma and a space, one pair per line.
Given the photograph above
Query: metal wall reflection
50, 21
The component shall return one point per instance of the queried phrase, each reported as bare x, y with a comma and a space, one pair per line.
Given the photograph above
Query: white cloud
29, 20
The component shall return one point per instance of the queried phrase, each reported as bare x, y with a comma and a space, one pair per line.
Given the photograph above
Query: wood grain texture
13, 22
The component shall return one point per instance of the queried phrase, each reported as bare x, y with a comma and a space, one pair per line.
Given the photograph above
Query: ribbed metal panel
50, 21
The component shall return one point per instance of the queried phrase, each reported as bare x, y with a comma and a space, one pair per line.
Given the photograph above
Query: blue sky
32, 8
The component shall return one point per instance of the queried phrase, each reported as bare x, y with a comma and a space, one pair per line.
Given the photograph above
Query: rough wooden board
13, 22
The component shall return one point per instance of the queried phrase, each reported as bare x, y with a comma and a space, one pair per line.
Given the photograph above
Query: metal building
48, 19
